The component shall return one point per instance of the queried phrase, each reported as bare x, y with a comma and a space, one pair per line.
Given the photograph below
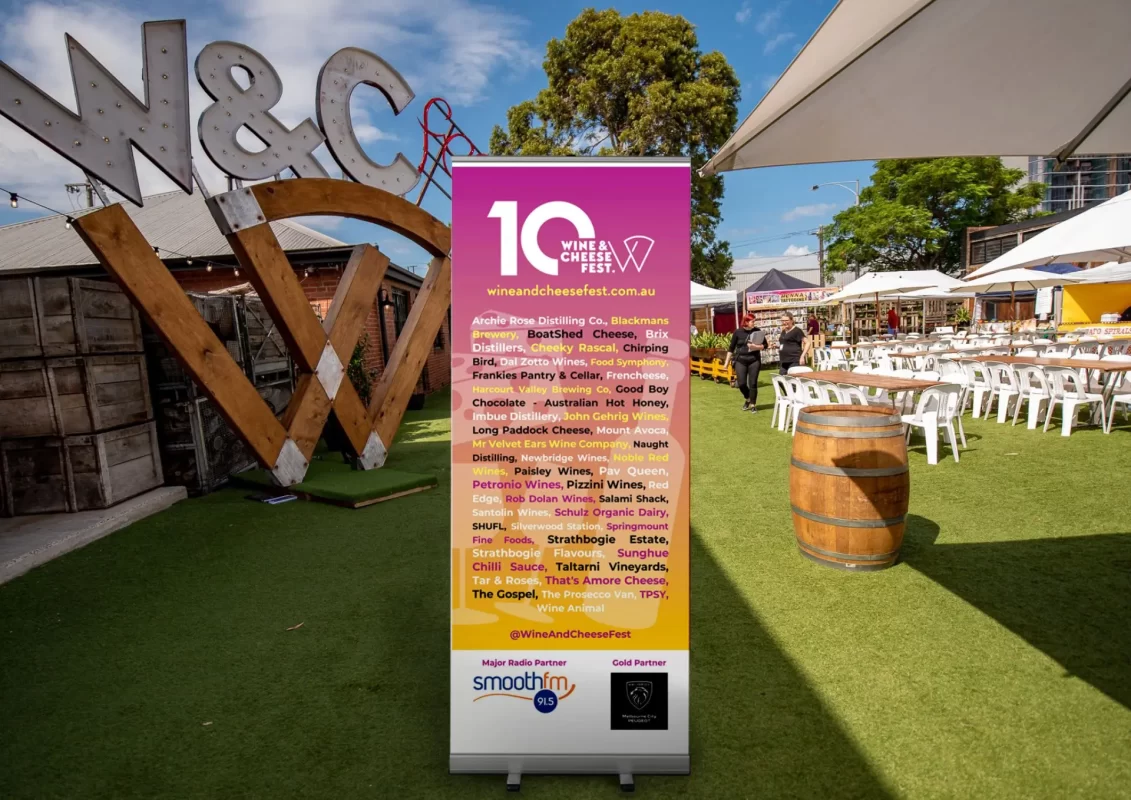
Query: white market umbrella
873, 284
928, 78
1108, 273
1013, 279
1102, 233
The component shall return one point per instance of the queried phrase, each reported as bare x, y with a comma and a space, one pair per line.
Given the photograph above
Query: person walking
746, 346
813, 326
793, 347
893, 322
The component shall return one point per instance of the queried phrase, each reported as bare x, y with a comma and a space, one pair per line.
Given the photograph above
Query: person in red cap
746, 346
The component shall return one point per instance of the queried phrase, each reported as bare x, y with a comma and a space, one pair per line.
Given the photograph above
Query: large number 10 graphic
506, 211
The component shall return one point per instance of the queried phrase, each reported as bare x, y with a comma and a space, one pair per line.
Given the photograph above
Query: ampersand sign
236, 108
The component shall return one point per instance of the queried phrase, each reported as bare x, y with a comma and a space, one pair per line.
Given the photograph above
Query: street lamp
855, 192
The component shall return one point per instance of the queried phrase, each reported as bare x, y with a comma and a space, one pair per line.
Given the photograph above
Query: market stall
776, 293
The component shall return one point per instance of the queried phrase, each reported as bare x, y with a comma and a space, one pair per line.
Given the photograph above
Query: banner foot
627, 784
514, 781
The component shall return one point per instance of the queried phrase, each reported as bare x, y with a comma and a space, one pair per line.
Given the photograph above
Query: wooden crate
68, 396
45, 317
78, 473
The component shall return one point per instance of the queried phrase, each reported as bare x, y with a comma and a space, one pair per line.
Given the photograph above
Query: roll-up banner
570, 443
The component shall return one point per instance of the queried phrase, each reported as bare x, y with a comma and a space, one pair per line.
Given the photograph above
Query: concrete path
27, 542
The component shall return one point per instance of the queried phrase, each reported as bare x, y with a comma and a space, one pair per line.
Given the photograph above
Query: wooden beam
117, 243
296, 198
390, 397
310, 405
353, 299
307, 413
272, 275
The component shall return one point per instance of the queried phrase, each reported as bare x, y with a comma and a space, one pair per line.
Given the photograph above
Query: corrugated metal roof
176, 222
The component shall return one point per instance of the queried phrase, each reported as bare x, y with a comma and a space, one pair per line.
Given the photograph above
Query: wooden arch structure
321, 349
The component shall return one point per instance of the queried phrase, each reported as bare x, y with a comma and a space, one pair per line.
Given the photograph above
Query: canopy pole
1012, 315
879, 328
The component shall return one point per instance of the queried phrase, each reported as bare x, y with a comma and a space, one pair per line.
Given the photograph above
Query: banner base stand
515, 766
627, 784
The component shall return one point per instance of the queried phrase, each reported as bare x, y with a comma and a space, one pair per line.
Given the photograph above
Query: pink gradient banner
570, 442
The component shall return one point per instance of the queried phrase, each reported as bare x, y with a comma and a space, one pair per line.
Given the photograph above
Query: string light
188, 262
14, 199
67, 225
237, 272
157, 250
208, 268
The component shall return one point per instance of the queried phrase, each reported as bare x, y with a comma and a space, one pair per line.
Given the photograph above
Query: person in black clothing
746, 346
793, 347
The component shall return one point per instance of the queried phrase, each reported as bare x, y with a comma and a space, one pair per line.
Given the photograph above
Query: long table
1109, 369
888, 383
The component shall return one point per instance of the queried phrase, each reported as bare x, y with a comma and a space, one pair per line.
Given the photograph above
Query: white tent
706, 296
1102, 233
926, 78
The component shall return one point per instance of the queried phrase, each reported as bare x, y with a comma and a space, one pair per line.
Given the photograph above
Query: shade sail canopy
871, 284
1102, 233
1017, 279
706, 296
928, 78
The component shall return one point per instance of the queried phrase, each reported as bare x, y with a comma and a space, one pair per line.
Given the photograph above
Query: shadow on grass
1068, 597
757, 726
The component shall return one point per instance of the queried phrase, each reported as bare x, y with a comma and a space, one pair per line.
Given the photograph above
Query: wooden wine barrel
849, 486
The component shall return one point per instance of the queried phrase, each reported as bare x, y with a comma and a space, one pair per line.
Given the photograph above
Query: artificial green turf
994, 662
330, 478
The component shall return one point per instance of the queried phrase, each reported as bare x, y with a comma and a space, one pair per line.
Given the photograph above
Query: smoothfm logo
590, 254
545, 691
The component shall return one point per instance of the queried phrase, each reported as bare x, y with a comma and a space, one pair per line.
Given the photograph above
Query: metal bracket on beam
374, 454
290, 466
329, 371
236, 211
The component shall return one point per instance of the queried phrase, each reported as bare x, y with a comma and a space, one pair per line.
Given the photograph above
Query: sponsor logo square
639, 701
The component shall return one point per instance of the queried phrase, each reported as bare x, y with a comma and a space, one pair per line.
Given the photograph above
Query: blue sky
482, 57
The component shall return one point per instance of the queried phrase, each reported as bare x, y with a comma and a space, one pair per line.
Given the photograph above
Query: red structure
441, 139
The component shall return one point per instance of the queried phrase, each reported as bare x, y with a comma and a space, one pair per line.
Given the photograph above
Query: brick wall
319, 287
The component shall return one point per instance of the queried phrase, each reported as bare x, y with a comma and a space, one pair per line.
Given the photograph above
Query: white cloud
814, 210
776, 41
797, 250
743, 14
768, 20
453, 48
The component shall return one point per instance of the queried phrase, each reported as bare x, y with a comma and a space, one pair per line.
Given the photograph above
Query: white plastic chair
1118, 398
852, 395
937, 409
1003, 388
799, 370
1033, 388
797, 398
825, 392
977, 385
781, 400
1066, 388
836, 360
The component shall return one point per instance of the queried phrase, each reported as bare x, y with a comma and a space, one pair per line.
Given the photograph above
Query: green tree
914, 213
635, 86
